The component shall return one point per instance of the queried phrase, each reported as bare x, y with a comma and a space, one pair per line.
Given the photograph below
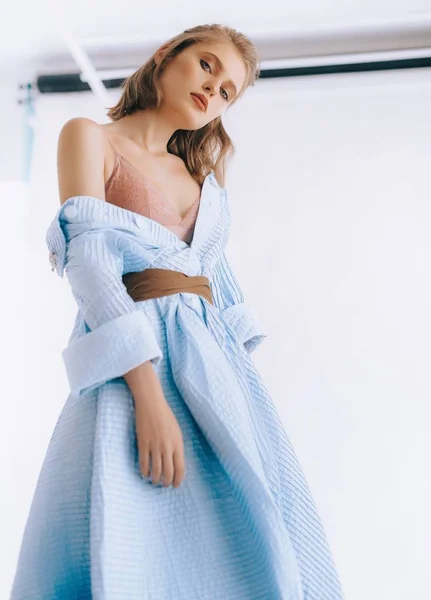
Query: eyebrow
220, 66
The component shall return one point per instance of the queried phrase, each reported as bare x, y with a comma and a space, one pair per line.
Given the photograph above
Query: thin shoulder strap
112, 146
115, 164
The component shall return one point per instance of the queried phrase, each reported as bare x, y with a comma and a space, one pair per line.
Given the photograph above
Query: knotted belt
154, 283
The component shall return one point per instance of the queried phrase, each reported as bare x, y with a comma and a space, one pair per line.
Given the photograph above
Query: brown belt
154, 283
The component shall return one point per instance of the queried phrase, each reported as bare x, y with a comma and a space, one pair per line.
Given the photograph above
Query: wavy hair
204, 149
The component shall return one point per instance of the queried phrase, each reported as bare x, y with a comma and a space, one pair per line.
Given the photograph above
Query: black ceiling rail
383, 65
71, 82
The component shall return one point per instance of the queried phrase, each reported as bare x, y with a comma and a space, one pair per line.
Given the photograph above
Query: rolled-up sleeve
229, 298
120, 336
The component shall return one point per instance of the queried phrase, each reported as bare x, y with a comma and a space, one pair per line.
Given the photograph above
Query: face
213, 69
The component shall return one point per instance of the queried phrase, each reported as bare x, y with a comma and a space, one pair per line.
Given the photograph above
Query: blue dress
242, 525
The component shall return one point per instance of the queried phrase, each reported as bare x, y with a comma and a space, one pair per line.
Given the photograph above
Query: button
70, 211
53, 260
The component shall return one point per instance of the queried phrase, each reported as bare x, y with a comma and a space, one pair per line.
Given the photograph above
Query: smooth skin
85, 161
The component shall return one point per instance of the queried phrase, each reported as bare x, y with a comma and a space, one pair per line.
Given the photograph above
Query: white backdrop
331, 221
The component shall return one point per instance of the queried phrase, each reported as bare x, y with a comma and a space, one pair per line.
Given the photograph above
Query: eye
205, 62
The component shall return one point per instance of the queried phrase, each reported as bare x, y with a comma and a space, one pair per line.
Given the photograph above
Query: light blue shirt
103, 243
243, 524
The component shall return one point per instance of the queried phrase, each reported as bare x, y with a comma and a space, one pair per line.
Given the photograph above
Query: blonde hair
142, 90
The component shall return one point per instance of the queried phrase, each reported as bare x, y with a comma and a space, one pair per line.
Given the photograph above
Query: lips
200, 100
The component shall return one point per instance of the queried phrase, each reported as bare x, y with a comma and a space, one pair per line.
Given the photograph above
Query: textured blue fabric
242, 525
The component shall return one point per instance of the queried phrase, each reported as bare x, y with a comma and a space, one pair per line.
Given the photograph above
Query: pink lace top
128, 188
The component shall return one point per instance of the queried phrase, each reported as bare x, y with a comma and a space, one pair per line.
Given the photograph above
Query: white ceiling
31, 32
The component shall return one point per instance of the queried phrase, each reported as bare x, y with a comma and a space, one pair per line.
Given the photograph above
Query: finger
179, 467
144, 462
156, 467
168, 468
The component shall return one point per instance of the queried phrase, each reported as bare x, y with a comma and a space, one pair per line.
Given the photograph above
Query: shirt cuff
110, 351
246, 325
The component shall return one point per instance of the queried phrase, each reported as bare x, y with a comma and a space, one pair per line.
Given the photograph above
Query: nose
211, 88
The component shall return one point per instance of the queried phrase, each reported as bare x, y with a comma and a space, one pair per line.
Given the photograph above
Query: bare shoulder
81, 159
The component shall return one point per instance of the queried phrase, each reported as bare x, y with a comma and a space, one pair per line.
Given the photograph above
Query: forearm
144, 384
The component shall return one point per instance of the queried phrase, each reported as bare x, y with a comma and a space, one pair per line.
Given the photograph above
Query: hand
160, 440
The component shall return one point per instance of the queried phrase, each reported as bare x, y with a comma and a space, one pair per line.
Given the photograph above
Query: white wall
331, 220
330, 194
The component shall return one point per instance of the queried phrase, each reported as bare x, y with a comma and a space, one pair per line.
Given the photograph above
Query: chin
194, 127
193, 122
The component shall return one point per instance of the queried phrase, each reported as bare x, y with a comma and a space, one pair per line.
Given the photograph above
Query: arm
229, 298
120, 338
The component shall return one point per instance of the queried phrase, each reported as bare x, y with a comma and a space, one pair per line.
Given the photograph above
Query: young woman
169, 475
